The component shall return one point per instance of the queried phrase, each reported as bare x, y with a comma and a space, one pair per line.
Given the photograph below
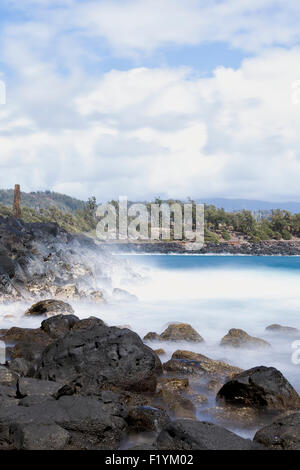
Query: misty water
212, 293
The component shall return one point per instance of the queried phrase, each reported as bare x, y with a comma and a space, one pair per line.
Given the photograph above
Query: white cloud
166, 131
134, 26
141, 26
143, 132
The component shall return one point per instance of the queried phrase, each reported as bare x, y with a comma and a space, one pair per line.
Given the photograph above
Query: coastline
276, 248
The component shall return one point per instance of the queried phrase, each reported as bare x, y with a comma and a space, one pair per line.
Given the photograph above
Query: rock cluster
41, 260
80, 384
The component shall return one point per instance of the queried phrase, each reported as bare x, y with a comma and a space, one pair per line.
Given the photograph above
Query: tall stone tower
17, 202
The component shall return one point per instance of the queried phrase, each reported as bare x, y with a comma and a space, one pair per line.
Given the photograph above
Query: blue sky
146, 97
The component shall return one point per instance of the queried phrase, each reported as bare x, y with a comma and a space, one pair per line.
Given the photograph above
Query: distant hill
46, 199
42, 200
231, 205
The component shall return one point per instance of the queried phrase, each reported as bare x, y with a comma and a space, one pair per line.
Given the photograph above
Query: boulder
99, 357
184, 367
176, 403
59, 325
92, 422
33, 436
147, 419
31, 400
181, 332
178, 397
22, 367
30, 343
242, 417
176, 332
7, 377
283, 330
90, 322
28, 386
282, 434
262, 388
239, 338
186, 434
49, 308
8, 396
216, 369
151, 336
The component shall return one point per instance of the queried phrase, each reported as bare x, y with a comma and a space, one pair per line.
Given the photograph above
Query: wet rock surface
262, 388
79, 384
94, 358
176, 332
238, 339
85, 385
32, 436
194, 435
41, 260
92, 422
242, 417
34, 387
283, 330
59, 325
211, 367
282, 434
49, 308
147, 419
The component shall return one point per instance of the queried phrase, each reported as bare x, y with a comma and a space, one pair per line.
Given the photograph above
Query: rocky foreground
80, 384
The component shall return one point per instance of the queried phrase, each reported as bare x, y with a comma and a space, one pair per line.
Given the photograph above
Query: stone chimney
17, 202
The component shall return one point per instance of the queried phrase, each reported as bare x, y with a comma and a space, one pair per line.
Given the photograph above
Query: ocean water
213, 294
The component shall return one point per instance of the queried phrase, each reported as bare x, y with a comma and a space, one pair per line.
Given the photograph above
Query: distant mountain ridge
42, 200
46, 199
251, 205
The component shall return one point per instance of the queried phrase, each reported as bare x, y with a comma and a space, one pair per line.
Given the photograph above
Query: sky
147, 98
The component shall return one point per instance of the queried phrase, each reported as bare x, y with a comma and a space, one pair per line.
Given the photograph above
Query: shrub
225, 235
286, 235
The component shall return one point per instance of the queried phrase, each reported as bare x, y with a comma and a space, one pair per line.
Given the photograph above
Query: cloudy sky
145, 98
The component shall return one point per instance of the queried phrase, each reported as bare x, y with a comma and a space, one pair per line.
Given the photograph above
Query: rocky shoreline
41, 260
82, 385
266, 248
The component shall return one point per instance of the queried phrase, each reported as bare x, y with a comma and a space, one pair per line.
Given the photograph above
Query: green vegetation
277, 225
77, 216
42, 200
79, 221
210, 236
226, 235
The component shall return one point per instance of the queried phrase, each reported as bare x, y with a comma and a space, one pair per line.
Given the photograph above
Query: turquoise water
187, 262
